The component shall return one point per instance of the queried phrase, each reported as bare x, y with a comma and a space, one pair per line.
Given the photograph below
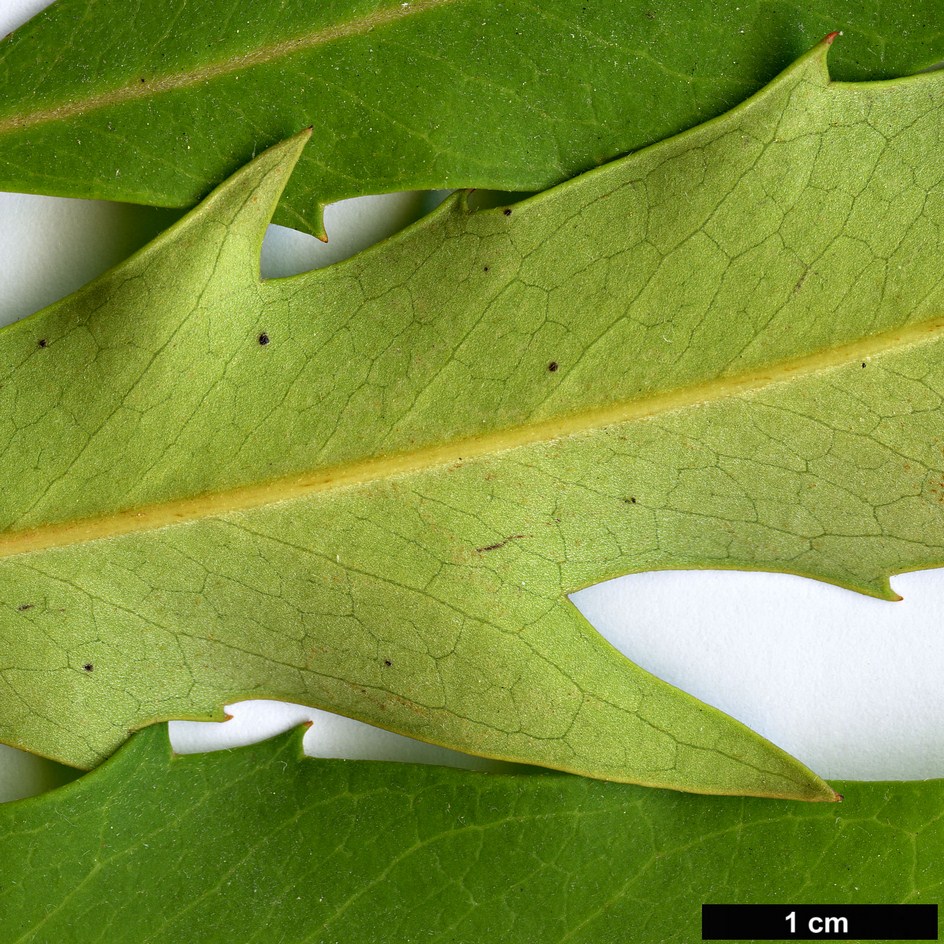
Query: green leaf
369, 488
260, 844
159, 104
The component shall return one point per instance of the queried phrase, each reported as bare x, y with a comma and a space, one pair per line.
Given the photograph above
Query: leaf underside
158, 103
370, 488
320, 851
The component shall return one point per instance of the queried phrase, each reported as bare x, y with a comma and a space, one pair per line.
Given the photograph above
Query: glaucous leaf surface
369, 488
262, 844
156, 102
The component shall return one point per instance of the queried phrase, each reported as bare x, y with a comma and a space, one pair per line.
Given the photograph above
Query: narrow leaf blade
159, 105
380, 508
261, 843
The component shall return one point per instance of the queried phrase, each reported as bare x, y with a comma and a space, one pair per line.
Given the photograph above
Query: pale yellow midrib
266, 54
247, 497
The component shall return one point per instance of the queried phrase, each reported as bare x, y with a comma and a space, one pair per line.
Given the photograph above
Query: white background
848, 684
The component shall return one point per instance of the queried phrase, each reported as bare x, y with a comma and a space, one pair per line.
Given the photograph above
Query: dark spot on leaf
88, 666
507, 211
42, 342
485, 269
495, 547
387, 662
863, 363
263, 338
552, 366
142, 80
650, 15
801, 279
23, 607
630, 501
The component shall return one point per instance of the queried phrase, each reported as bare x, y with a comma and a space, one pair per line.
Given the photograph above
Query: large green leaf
370, 487
258, 844
158, 103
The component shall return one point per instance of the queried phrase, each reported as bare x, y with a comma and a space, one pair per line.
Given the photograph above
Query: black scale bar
819, 922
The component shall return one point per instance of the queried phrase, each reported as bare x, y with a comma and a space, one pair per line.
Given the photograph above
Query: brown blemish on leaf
42, 342
387, 663
507, 211
409, 705
88, 667
495, 547
23, 607
553, 366
801, 280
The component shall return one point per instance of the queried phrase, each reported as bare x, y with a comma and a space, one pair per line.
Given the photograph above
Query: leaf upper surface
259, 844
158, 102
380, 509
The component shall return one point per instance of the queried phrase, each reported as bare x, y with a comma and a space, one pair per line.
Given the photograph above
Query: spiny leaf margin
526, 678
159, 104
